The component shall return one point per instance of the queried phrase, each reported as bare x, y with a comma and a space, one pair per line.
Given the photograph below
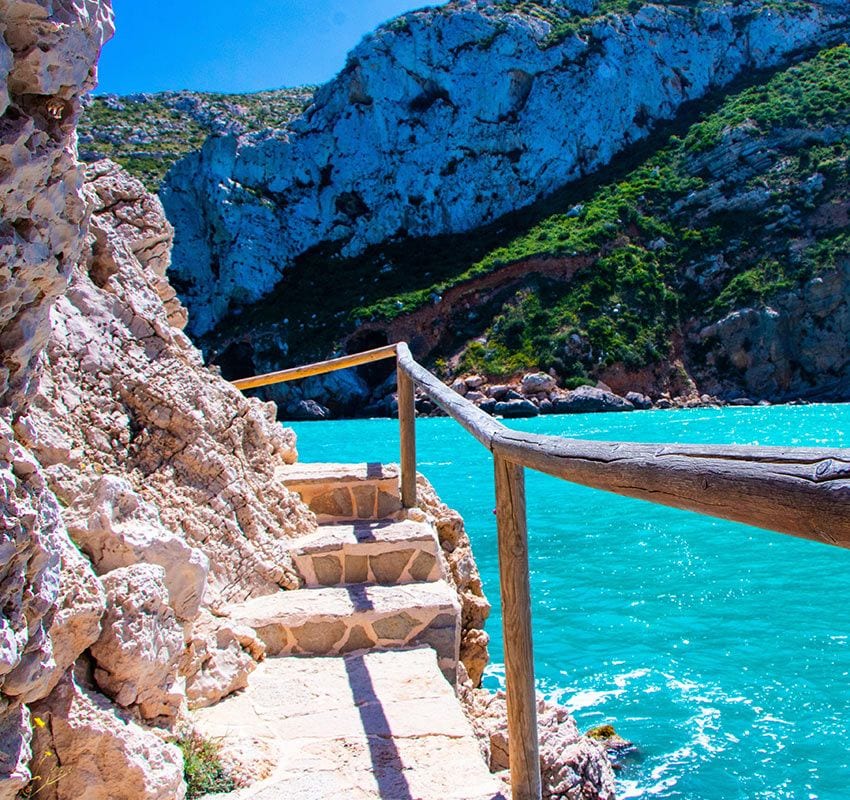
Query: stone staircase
355, 697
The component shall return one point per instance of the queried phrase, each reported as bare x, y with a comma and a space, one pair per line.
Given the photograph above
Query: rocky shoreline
534, 394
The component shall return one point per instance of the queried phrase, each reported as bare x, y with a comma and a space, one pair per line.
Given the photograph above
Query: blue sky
227, 46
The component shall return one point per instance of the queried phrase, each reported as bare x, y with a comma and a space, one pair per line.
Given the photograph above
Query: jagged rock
221, 657
638, 400
15, 734
84, 748
47, 53
137, 654
124, 390
462, 574
116, 528
398, 142
29, 569
474, 653
773, 351
76, 623
572, 767
587, 399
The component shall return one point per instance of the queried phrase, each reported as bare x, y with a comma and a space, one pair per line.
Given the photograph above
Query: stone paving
345, 491
365, 726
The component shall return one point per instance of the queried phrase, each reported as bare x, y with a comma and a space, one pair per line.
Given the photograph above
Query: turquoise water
722, 651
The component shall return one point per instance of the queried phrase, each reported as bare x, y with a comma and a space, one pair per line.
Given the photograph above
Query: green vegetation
811, 95
202, 767
564, 23
641, 231
648, 247
146, 134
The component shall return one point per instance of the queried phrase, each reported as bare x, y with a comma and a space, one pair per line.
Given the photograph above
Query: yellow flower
39, 721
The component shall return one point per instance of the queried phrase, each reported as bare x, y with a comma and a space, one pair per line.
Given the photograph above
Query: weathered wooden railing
798, 491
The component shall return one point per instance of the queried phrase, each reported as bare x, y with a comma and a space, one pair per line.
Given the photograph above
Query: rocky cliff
451, 117
147, 133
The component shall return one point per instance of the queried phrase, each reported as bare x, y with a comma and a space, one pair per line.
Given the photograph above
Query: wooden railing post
516, 626
407, 431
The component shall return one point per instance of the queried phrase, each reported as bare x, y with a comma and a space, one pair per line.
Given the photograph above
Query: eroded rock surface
572, 766
137, 654
47, 56
87, 749
125, 395
463, 575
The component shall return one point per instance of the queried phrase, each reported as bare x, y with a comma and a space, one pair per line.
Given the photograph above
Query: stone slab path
358, 727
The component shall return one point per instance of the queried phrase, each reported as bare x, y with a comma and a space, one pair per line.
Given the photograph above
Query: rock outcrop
85, 748
138, 436
397, 144
47, 56
572, 766
794, 347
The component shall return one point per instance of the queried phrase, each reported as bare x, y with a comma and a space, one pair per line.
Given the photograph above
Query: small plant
45, 769
202, 767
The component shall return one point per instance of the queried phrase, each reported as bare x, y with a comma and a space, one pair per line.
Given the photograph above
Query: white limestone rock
115, 527
139, 649
47, 56
85, 748
433, 107
219, 660
125, 394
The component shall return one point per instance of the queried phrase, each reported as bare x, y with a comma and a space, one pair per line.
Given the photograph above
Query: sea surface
720, 650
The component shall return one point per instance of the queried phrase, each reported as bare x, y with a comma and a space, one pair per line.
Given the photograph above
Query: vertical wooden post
407, 430
516, 625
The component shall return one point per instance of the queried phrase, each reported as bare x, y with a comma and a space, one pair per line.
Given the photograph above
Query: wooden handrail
802, 492
319, 368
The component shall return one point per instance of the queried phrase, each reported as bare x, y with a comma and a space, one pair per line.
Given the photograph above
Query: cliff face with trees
650, 195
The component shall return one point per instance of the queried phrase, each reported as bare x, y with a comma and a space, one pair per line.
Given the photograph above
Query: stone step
339, 620
345, 491
359, 727
383, 552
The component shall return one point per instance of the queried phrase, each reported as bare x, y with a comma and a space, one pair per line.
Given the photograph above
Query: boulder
512, 409
537, 383
219, 660
85, 748
639, 401
587, 399
81, 605
137, 654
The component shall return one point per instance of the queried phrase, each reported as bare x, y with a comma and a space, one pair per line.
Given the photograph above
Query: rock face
572, 766
138, 651
397, 144
88, 750
795, 347
47, 56
140, 437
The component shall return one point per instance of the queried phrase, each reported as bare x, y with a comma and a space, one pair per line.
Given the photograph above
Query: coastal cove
722, 651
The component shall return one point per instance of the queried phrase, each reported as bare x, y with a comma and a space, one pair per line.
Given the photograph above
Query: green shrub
202, 767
